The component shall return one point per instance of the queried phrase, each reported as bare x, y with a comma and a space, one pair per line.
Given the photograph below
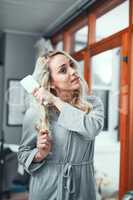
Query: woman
57, 147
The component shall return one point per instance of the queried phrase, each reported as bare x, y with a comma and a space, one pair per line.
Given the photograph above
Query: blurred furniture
128, 196
8, 167
22, 180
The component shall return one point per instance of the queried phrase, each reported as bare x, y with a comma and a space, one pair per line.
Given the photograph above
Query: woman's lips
75, 80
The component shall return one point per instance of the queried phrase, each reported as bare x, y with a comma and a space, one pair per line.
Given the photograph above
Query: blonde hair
42, 75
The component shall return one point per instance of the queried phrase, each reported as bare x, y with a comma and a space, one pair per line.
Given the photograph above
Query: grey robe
67, 173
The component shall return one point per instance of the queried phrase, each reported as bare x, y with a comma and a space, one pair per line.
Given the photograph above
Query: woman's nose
72, 71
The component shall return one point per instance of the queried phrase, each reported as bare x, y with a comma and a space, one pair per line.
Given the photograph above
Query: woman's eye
72, 65
63, 70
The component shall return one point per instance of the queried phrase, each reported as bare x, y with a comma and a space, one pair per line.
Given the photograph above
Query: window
59, 46
81, 68
113, 21
105, 84
80, 38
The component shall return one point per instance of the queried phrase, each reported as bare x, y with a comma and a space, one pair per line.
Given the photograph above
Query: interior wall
2, 46
2, 42
19, 62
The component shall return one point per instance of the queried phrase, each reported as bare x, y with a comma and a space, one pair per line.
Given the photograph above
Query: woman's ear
53, 91
52, 86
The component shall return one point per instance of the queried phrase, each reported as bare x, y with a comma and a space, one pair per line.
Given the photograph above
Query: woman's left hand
43, 95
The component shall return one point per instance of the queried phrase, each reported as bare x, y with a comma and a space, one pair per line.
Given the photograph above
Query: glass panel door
105, 84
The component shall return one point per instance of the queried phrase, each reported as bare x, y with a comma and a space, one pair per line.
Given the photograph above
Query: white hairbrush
29, 84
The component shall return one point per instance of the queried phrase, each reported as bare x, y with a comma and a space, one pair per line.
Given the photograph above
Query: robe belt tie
69, 182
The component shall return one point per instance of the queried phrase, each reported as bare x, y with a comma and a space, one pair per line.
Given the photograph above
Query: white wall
19, 61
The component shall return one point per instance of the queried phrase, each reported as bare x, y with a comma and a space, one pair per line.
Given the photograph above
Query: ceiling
35, 17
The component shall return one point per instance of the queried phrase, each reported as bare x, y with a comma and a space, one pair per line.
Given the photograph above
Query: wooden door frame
130, 102
125, 121
119, 39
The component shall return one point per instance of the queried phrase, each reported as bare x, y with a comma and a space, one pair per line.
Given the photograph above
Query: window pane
102, 70
81, 68
105, 84
104, 96
105, 81
59, 46
80, 38
113, 21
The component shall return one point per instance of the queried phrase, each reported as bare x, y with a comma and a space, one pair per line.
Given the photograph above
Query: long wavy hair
43, 76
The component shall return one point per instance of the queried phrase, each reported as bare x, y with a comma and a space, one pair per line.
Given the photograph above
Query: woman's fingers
43, 132
39, 98
42, 146
38, 94
42, 95
43, 141
33, 92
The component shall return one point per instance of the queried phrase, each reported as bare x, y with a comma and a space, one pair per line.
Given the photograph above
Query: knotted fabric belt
68, 182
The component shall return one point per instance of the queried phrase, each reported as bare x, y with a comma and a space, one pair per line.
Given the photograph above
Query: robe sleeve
27, 147
86, 124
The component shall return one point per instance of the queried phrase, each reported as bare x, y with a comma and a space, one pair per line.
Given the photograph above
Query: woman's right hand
44, 144
42, 95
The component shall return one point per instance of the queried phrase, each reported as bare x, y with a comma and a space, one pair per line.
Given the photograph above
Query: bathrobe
67, 173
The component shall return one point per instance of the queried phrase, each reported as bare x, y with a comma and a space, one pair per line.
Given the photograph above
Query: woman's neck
68, 96
65, 95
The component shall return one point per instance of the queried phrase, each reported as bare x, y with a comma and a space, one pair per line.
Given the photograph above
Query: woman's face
63, 73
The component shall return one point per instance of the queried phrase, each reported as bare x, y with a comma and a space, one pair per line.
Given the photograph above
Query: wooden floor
17, 196
24, 196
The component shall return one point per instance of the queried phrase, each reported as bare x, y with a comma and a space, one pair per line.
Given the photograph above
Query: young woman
57, 147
